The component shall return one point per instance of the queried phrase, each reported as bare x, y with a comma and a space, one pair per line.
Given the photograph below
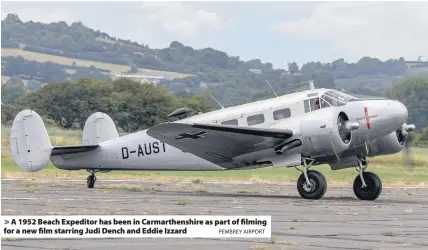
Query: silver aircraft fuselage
139, 151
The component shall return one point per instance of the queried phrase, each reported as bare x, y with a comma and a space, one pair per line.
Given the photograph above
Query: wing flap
65, 150
265, 132
217, 143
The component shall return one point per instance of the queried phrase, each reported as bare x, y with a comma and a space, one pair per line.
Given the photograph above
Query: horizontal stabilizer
64, 150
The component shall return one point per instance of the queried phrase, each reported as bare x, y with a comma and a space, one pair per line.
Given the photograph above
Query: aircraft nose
401, 112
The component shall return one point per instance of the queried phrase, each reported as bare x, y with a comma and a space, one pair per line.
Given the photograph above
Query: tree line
133, 106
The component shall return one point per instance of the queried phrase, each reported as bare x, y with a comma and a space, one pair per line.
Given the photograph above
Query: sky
275, 32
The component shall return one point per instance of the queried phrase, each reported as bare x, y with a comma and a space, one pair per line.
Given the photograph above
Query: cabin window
281, 114
230, 122
255, 119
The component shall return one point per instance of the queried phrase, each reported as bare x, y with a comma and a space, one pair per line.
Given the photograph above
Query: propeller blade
407, 153
403, 134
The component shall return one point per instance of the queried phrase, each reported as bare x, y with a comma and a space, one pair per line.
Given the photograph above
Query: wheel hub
309, 188
365, 189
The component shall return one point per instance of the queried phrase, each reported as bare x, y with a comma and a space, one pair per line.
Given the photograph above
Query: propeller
404, 139
345, 128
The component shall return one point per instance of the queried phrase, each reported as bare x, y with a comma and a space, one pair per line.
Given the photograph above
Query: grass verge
393, 174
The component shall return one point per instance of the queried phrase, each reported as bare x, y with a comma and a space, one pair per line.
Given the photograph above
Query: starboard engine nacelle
392, 143
326, 132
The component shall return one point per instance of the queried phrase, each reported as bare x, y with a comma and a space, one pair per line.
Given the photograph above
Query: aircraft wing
219, 144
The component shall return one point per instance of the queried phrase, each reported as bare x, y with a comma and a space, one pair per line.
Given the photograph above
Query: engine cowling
326, 132
392, 143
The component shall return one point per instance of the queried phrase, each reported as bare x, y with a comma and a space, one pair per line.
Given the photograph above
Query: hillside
56, 52
110, 68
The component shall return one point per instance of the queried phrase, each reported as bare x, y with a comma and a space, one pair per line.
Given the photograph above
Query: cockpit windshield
335, 98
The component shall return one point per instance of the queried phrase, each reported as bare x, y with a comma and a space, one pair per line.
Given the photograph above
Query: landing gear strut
311, 183
91, 178
367, 185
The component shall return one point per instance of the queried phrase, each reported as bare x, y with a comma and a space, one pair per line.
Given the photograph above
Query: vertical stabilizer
29, 141
99, 127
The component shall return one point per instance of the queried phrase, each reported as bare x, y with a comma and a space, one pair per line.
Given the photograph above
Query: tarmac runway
397, 220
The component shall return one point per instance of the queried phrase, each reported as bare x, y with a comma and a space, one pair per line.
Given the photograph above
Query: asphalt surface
397, 220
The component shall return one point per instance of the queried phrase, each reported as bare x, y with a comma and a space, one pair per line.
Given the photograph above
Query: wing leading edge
219, 144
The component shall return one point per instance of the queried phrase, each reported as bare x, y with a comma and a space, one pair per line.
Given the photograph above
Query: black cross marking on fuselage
193, 136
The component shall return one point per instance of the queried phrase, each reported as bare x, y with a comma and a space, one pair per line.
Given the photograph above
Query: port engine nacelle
326, 132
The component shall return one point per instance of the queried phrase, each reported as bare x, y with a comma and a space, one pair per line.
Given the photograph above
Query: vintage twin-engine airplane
313, 127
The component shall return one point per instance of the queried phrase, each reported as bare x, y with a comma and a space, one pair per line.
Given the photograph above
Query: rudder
99, 127
29, 141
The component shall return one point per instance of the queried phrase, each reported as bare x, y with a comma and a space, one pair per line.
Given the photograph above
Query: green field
114, 68
390, 168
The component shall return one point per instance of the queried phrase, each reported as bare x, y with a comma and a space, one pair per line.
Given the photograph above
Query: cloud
42, 15
181, 18
378, 29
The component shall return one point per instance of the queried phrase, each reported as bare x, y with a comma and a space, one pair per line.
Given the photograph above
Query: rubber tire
320, 188
374, 185
91, 181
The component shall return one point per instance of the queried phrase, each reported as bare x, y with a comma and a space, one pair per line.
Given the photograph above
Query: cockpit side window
332, 101
312, 104
336, 98
328, 99
324, 103
315, 104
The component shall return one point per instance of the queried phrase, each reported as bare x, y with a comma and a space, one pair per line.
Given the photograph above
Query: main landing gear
367, 185
91, 178
311, 183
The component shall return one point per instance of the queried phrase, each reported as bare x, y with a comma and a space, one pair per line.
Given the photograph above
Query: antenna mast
216, 100
311, 84
271, 88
